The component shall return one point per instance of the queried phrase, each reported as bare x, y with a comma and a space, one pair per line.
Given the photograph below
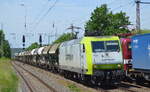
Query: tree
33, 46
5, 50
104, 22
1, 43
65, 37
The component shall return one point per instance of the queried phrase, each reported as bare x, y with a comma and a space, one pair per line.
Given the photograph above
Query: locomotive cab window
112, 46
98, 46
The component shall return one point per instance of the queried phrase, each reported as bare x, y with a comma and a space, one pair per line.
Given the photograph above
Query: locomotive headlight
95, 66
119, 66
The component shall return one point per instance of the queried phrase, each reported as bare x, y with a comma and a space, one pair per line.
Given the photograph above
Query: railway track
29, 83
122, 87
24, 79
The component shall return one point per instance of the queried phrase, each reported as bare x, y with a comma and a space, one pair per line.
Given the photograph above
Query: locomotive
127, 55
94, 59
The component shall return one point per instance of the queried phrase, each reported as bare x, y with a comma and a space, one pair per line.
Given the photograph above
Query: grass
74, 88
8, 78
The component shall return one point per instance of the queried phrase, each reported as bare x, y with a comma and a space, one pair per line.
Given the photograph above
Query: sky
41, 20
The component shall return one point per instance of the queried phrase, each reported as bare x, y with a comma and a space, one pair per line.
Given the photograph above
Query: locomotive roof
71, 42
85, 39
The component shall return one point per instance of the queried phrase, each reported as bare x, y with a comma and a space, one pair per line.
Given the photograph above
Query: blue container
141, 51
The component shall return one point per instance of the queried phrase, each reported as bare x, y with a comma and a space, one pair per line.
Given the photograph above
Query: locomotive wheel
93, 81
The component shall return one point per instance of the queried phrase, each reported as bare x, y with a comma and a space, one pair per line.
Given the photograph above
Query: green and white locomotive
98, 59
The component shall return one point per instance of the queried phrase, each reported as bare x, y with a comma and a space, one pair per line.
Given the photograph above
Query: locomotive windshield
105, 46
112, 46
98, 46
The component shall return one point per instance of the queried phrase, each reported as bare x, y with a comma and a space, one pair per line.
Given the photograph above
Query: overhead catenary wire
125, 5
40, 13
50, 8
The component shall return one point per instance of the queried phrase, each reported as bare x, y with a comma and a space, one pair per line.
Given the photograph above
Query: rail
40, 80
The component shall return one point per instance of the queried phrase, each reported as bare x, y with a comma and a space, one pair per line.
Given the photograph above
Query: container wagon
141, 57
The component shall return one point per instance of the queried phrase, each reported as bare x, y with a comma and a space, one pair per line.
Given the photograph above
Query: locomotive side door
83, 58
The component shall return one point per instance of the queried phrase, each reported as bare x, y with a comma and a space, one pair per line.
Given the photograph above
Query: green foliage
33, 46
1, 42
74, 88
65, 37
105, 22
5, 50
